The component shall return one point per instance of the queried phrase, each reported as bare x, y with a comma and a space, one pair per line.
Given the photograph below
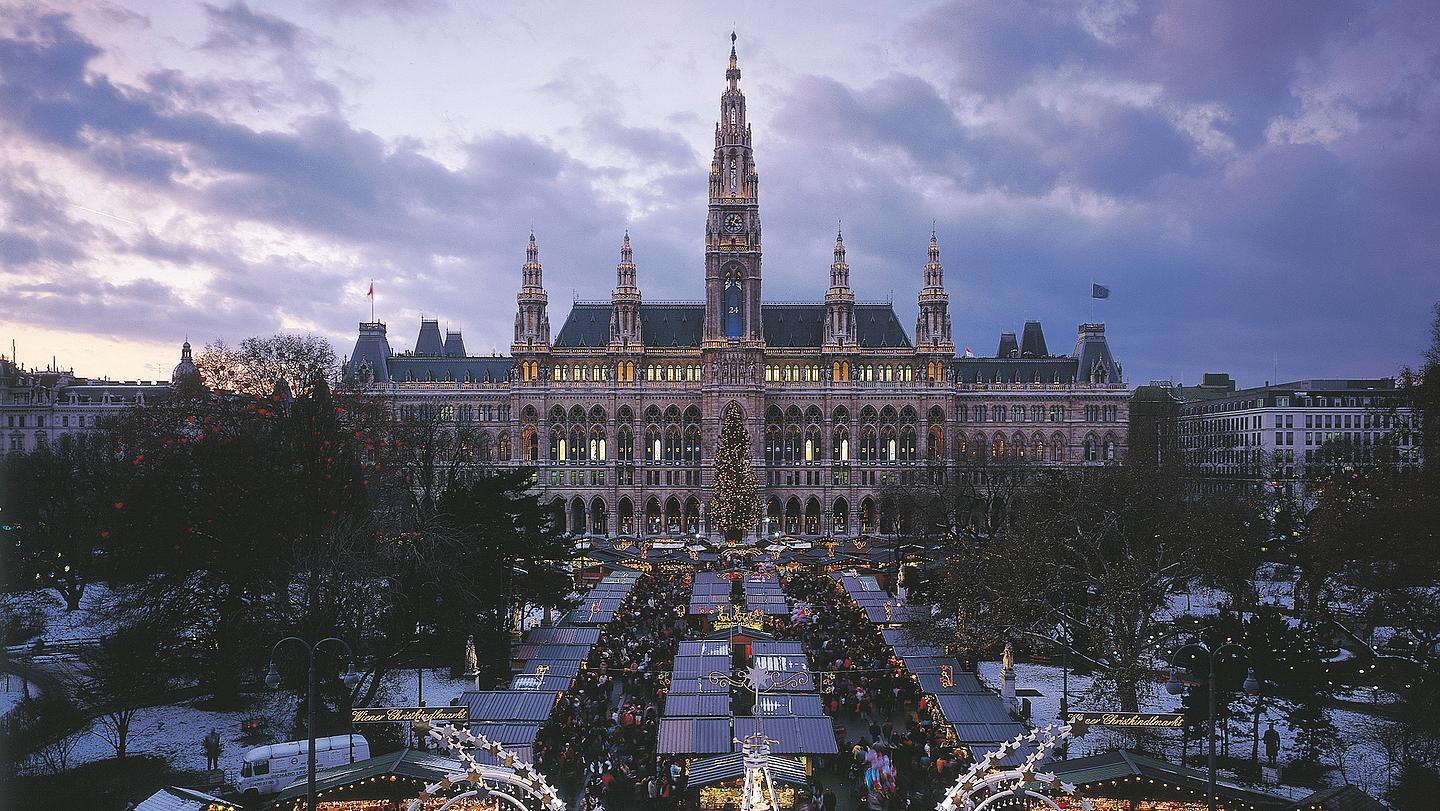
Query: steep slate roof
682, 325
412, 368
1121, 764
1009, 370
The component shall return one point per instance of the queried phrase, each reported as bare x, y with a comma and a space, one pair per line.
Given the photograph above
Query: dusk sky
1258, 183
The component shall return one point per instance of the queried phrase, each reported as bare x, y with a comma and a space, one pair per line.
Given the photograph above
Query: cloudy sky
1258, 183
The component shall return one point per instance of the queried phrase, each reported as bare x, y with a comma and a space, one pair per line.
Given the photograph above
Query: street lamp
1175, 686
349, 678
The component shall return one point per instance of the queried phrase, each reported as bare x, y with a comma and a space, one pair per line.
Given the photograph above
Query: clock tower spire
732, 229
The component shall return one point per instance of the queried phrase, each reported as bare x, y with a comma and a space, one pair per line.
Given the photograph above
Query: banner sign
1128, 720
374, 715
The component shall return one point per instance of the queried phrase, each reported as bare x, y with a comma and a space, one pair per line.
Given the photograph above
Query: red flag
371, 293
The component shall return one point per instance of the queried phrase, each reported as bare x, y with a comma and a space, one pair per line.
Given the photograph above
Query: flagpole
372, 301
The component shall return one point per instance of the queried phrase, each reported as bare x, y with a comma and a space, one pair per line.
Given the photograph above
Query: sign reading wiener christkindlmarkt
375, 715
1128, 720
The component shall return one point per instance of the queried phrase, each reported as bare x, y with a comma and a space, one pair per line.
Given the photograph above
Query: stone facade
620, 411
39, 406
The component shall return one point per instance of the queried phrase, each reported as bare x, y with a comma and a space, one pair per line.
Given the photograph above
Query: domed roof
185, 369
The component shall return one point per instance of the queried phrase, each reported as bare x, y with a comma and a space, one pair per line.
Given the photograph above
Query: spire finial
839, 230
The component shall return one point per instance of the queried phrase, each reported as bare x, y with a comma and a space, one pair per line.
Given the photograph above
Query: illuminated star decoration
986, 783
460, 742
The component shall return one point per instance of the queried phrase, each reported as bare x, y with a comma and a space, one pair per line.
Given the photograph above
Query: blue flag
1099, 291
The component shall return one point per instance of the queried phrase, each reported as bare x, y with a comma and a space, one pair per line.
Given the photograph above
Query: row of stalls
596, 556
972, 718
712, 703
976, 720
544, 664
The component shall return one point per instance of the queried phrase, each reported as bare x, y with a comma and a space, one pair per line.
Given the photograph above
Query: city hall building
619, 410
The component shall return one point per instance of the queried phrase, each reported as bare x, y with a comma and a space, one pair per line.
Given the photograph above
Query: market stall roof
778, 647
550, 652
694, 736
176, 798
704, 647
1337, 798
794, 736
550, 682
404, 763
805, 705
556, 667
696, 684
697, 705
960, 708
978, 735
1119, 764
927, 672
896, 614
508, 705
724, 768
562, 636
508, 733
701, 666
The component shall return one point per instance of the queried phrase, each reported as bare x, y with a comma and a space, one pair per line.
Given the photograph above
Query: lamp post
272, 680
1175, 686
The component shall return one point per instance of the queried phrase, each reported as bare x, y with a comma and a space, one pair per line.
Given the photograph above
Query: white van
268, 769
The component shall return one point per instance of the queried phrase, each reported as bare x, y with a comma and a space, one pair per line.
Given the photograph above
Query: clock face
733, 223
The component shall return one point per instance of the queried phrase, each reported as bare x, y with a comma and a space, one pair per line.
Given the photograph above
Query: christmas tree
735, 507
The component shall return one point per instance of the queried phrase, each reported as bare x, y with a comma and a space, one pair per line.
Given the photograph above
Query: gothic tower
839, 303
532, 322
625, 303
732, 230
932, 327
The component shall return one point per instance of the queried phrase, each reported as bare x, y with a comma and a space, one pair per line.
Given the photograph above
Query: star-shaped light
757, 678
1078, 727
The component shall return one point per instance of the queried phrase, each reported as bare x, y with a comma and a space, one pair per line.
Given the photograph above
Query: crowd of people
600, 741
892, 755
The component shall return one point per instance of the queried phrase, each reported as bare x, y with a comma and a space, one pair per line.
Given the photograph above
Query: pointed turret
932, 326
532, 322
839, 302
625, 302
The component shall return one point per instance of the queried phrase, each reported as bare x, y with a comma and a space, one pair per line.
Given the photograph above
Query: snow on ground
174, 731
94, 617
401, 687
1362, 754
13, 690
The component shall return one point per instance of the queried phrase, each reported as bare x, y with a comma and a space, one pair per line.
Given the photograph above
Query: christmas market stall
1121, 780
718, 782
388, 782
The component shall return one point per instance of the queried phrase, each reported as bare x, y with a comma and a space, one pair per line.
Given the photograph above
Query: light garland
986, 785
460, 742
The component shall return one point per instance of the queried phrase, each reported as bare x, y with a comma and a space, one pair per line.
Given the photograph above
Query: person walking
1272, 743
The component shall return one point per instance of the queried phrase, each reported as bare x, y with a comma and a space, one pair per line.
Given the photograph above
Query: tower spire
532, 321
625, 302
932, 325
839, 301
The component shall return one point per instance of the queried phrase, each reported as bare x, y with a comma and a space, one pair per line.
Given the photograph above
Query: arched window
773, 515
1091, 448
599, 524
627, 516
840, 517
692, 515
812, 516
792, 516
1037, 448
840, 444
577, 517
734, 304
1109, 447
1057, 447
653, 517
